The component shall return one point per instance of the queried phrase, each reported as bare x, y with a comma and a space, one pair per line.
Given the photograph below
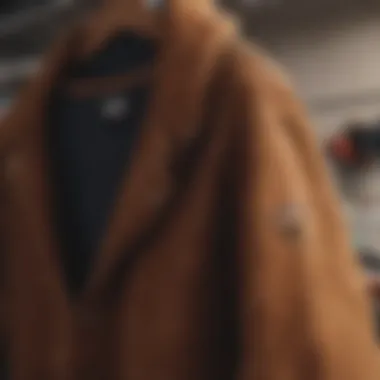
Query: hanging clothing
225, 255
90, 141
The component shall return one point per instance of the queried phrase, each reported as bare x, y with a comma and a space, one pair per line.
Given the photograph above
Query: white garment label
115, 108
154, 4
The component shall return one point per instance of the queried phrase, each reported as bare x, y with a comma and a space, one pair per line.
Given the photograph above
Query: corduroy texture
226, 256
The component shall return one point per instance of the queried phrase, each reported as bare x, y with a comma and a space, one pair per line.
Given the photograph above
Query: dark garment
90, 145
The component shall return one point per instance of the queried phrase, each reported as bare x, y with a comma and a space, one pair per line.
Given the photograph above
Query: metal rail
20, 21
14, 71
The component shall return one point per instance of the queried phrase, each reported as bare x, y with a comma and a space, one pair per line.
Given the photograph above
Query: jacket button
290, 220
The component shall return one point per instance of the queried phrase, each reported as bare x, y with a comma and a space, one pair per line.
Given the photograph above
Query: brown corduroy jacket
226, 256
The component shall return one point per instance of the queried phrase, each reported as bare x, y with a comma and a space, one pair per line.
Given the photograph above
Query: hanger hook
155, 4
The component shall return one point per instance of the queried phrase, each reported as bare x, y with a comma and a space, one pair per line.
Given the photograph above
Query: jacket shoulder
256, 69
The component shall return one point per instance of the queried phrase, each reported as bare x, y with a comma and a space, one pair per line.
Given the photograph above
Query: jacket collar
189, 50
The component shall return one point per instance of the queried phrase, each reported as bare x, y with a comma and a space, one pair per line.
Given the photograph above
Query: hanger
140, 16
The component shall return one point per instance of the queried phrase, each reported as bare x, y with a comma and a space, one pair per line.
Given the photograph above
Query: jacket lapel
183, 72
29, 190
188, 55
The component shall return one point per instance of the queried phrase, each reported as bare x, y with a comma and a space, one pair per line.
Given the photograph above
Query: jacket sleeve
3, 295
305, 311
3, 361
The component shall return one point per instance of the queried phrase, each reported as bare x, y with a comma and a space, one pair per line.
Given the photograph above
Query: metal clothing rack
23, 20
32, 28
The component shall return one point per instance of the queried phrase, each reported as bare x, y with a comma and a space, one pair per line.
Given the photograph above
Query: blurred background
331, 49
